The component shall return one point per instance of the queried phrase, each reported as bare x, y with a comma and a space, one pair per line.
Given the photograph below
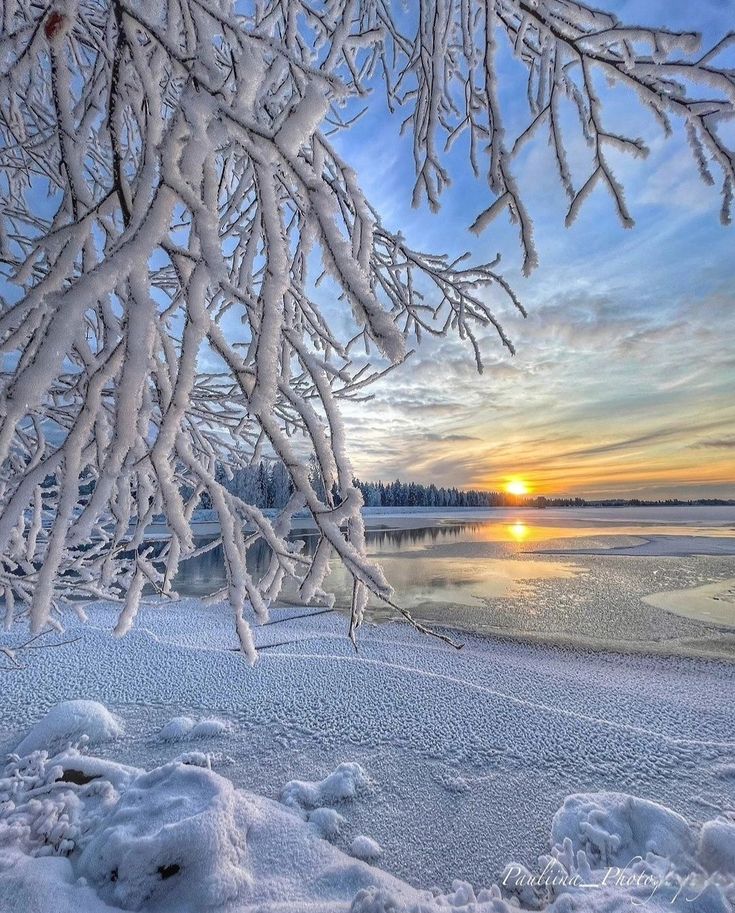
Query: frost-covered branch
172, 201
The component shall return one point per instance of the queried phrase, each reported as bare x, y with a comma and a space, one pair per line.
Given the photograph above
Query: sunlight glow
518, 531
516, 487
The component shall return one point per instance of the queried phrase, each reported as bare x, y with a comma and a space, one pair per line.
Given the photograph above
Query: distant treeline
267, 484
413, 494
264, 484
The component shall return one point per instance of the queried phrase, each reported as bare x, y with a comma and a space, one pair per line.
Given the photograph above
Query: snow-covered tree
169, 184
279, 485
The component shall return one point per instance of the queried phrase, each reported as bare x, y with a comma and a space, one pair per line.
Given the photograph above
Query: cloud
624, 374
607, 394
723, 443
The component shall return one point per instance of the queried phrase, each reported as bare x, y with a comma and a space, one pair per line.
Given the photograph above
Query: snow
343, 783
471, 770
183, 728
70, 722
178, 838
176, 819
366, 848
613, 828
182, 839
717, 846
327, 821
491, 739
176, 729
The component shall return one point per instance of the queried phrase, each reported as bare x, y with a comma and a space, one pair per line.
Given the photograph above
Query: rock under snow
69, 722
176, 832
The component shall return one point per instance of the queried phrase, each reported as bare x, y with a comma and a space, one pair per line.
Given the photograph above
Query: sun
516, 487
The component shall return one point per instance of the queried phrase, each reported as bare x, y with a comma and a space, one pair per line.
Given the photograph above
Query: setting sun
516, 487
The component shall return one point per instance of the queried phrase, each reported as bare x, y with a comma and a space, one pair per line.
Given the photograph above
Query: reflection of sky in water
440, 563
455, 563
451, 562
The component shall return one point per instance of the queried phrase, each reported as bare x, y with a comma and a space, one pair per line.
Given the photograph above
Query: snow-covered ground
464, 759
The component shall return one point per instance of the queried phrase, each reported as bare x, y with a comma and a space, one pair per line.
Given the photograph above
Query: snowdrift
80, 833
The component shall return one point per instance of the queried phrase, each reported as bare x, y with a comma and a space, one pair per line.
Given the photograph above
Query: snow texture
716, 850
327, 821
492, 738
612, 828
81, 833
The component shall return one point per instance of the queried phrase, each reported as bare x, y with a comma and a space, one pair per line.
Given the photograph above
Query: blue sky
624, 376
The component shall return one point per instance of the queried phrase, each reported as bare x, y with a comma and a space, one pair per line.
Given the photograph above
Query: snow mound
184, 728
327, 821
176, 832
345, 782
365, 848
717, 846
613, 828
70, 722
208, 729
177, 729
177, 839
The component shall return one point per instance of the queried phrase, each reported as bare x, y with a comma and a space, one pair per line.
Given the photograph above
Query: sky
623, 384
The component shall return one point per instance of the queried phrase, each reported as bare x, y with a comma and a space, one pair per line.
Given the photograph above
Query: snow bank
345, 782
69, 722
176, 835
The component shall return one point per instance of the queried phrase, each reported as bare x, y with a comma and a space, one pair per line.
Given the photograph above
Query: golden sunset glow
518, 531
516, 487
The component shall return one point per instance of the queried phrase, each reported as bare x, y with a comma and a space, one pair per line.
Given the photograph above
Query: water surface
575, 575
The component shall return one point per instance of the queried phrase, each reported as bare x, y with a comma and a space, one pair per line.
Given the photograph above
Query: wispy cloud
722, 443
625, 372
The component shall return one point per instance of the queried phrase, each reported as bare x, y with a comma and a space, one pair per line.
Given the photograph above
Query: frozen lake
658, 579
